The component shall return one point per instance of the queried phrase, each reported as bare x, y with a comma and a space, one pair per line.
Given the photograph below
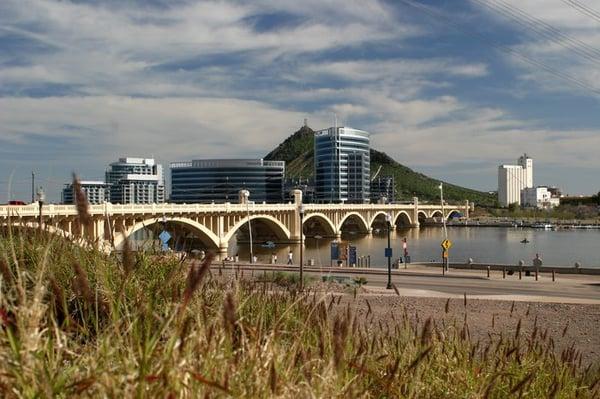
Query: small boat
545, 226
524, 241
268, 244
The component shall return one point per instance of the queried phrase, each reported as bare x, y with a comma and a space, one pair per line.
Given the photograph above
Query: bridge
216, 224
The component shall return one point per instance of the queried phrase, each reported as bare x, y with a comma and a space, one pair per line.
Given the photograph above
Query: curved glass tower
342, 165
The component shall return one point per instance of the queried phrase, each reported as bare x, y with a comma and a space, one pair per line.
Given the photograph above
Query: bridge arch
375, 217
280, 230
435, 214
205, 232
363, 225
403, 219
326, 222
422, 215
454, 213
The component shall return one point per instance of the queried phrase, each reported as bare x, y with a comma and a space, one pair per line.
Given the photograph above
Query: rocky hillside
297, 152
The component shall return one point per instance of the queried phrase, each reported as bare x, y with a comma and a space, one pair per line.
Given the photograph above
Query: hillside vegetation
297, 152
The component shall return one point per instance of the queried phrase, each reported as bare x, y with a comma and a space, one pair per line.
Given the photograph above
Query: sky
451, 89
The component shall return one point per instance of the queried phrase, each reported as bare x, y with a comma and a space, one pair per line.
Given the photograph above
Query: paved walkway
424, 281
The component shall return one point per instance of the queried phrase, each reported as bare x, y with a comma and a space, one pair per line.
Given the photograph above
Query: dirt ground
567, 324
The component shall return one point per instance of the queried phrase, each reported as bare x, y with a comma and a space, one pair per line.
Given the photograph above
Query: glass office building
342, 165
220, 180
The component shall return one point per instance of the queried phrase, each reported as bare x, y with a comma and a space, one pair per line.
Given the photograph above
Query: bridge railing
169, 208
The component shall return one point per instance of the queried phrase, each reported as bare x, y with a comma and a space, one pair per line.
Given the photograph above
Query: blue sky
442, 86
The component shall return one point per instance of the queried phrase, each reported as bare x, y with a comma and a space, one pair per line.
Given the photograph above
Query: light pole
301, 212
388, 219
444, 251
41, 197
247, 195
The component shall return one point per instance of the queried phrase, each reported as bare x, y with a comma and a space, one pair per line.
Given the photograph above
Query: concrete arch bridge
216, 224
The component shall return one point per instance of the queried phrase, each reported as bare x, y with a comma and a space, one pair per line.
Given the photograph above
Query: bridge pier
223, 248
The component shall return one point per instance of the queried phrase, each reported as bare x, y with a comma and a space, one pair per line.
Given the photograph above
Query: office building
383, 190
342, 165
539, 197
220, 180
305, 185
97, 192
514, 178
136, 181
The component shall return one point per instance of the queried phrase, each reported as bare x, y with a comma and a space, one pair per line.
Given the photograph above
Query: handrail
108, 208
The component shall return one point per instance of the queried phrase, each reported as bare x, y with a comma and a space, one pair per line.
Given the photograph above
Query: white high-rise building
136, 181
514, 178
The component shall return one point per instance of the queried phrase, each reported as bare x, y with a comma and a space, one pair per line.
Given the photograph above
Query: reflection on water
482, 244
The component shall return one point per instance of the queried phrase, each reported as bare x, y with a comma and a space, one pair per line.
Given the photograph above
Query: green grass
75, 322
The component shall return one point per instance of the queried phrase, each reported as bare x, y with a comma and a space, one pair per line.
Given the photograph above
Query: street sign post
388, 252
446, 245
164, 237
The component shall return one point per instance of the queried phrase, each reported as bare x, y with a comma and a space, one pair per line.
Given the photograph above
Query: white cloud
548, 33
172, 128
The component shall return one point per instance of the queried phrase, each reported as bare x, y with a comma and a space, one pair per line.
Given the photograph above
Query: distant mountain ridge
298, 153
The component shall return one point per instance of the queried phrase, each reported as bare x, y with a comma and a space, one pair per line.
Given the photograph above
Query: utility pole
301, 212
445, 260
32, 186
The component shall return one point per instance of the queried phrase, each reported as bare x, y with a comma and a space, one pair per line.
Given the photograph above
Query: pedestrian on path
290, 258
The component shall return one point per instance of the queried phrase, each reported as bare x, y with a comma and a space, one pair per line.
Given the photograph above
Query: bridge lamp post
444, 260
301, 212
247, 195
41, 198
388, 219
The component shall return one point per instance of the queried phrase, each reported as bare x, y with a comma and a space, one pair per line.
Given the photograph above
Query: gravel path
566, 323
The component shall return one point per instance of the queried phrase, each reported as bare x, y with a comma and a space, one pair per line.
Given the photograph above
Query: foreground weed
74, 322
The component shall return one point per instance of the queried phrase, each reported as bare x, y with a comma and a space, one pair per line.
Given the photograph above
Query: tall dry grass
75, 322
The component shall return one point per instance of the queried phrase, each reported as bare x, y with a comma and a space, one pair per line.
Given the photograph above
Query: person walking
290, 258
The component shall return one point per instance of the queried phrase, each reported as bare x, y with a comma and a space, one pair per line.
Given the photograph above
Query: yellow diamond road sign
446, 244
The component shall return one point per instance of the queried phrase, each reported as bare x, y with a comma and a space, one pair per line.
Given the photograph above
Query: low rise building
538, 197
97, 192
383, 190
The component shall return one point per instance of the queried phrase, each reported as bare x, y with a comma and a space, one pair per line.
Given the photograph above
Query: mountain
297, 152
